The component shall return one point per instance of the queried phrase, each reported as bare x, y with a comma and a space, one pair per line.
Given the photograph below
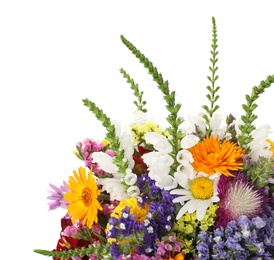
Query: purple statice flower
243, 238
150, 192
204, 244
57, 196
122, 229
143, 234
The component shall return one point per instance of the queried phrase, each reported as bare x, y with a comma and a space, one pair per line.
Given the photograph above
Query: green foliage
247, 127
212, 96
169, 97
110, 135
100, 250
139, 103
260, 171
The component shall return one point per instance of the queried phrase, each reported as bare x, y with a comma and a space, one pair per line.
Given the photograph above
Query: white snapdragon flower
105, 162
125, 142
194, 121
159, 162
184, 157
114, 187
140, 118
259, 146
215, 125
159, 142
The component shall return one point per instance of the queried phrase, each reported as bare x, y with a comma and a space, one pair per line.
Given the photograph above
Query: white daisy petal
182, 199
201, 210
180, 192
183, 210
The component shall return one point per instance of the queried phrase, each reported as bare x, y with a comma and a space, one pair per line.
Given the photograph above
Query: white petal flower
166, 182
184, 157
133, 191
199, 190
158, 162
189, 140
259, 146
215, 121
159, 142
114, 187
105, 162
130, 178
193, 122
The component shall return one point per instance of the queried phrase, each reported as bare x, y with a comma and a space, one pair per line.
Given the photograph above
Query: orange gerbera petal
83, 201
211, 156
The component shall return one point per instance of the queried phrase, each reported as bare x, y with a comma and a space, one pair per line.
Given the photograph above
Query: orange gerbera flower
211, 156
83, 201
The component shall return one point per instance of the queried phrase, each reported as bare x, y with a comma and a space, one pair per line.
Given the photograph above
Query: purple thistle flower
238, 196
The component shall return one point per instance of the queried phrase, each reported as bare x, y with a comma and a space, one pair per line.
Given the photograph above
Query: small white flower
125, 215
150, 229
122, 226
130, 178
146, 222
133, 191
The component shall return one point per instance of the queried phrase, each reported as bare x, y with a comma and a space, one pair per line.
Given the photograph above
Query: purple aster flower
57, 196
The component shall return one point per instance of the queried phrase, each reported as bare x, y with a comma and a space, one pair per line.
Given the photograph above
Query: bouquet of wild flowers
200, 189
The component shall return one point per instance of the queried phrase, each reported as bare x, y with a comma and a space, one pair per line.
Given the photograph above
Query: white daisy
198, 191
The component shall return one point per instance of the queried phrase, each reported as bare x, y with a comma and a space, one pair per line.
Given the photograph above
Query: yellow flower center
86, 196
202, 188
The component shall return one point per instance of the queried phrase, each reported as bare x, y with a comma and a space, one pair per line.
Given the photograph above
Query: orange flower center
86, 196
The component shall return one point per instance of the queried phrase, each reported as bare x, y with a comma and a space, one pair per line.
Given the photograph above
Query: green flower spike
212, 97
173, 119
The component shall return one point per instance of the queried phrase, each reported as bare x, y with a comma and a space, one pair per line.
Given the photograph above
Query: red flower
66, 243
140, 167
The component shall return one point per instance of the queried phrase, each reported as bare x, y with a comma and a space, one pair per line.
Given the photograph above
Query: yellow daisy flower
211, 156
83, 203
139, 212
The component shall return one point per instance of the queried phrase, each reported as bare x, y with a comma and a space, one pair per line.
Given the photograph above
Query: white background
55, 53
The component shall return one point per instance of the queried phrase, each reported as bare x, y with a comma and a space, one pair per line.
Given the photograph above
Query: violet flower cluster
142, 235
243, 238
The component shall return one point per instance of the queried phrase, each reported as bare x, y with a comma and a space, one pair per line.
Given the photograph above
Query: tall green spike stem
100, 250
169, 97
140, 103
110, 135
212, 97
248, 118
